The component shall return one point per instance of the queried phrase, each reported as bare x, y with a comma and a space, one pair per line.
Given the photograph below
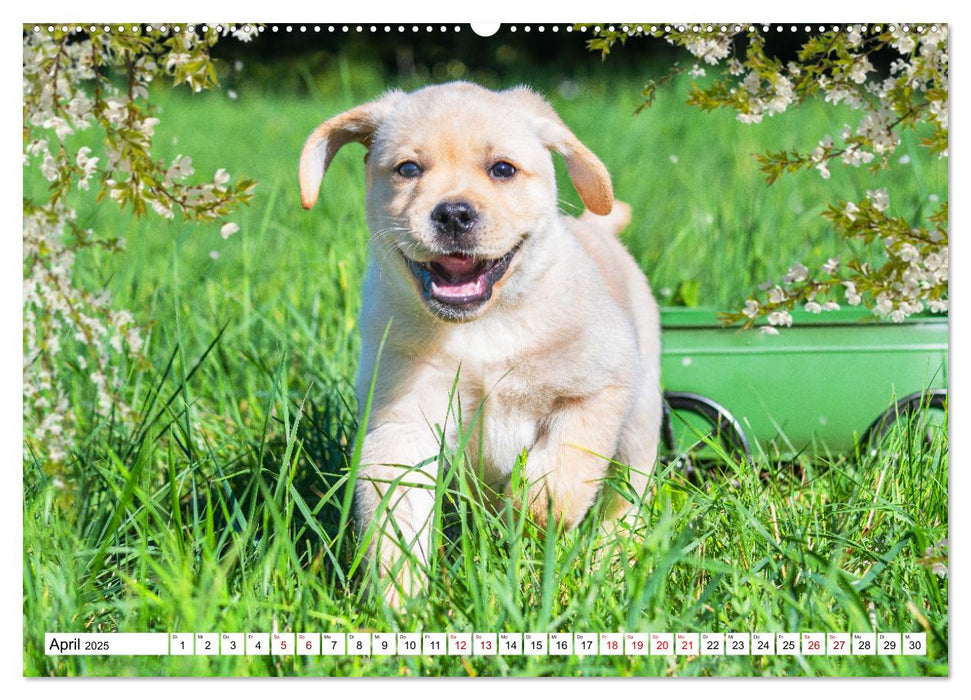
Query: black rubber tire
718, 417
907, 406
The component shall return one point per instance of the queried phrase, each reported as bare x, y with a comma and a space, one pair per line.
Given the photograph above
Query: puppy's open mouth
458, 281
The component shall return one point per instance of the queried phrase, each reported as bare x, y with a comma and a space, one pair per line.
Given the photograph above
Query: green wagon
826, 385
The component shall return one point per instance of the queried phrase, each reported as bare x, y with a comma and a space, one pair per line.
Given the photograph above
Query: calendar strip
486, 644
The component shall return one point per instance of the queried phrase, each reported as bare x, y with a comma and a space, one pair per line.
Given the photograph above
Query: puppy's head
459, 180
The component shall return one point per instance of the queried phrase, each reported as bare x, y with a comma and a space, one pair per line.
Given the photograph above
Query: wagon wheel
912, 405
724, 428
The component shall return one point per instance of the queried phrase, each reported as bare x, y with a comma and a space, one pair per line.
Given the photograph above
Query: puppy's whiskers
388, 234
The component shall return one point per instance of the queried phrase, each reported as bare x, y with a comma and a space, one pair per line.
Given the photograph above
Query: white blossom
903, 41
939, 111
754, 117
711, 49
117, 110
875, 127
783, 95
884, 304
879, 198
147, 126
839, 93
932, 261
80, 108
162, 209
796, 273
752, 82
245, 33
60, 127
49, 168
180, 169
901, 66
908, 252
87, 165
858, 72
176, 60
855, 156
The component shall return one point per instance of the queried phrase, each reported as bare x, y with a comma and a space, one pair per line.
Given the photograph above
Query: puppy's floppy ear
588, 174
358, 124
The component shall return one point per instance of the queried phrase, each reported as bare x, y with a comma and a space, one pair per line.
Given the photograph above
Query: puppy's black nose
454, 218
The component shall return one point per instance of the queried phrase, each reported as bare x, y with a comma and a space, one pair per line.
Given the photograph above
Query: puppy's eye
502, 170
408, 169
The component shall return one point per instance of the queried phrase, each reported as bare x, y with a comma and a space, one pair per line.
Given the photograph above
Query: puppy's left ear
588, 174
357, 124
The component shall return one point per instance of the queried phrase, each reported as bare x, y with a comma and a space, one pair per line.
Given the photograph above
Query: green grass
225, 508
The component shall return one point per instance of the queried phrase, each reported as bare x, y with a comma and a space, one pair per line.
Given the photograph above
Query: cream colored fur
565, 353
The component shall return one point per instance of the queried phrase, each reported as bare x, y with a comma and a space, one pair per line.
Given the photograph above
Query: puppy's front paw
407, 584
394, 510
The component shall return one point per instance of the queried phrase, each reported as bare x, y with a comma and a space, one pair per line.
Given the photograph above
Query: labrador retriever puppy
544, 320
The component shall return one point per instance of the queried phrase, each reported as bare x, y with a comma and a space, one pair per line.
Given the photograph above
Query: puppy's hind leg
637, 449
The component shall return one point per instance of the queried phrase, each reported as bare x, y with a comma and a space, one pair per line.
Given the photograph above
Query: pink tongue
456, 265
461, 269
465, 289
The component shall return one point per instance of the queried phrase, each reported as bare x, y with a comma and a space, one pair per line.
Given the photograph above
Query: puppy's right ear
358, 124
588, 174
